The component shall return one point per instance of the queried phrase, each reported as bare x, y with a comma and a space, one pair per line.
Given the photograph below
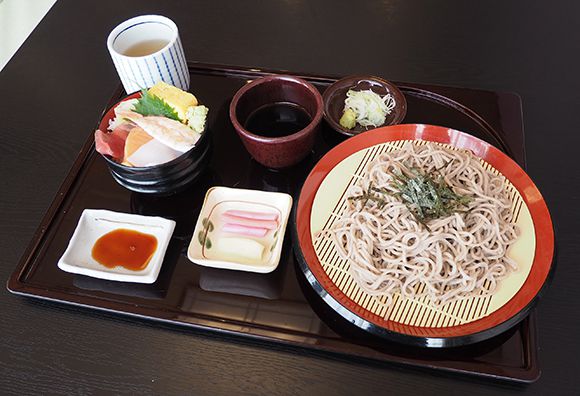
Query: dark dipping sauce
125, 248
277, 119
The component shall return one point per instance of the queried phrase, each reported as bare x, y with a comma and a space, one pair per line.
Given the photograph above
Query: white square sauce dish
106, 245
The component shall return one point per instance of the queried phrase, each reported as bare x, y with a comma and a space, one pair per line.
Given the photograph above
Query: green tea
144, 48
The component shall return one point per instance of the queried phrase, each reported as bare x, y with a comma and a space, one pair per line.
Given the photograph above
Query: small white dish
210, 222
95, 223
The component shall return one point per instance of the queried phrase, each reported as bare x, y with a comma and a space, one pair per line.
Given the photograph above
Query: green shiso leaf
151, 105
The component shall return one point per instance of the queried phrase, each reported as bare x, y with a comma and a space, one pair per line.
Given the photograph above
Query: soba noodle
461, 255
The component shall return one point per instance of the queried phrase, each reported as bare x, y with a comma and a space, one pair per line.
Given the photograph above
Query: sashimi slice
112, 143
124, 128
244, 230
246, 214
125, 106
123, 109
152, 153
137, 137
172, 133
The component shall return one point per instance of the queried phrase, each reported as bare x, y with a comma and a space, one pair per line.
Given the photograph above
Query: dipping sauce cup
277, 118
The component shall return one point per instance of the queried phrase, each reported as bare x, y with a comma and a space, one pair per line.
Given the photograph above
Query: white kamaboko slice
172, 133
153, 153
240, 229
246, 214
233, 248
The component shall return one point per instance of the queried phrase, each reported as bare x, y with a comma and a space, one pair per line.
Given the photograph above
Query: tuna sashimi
112, 143
123, 129
240, 229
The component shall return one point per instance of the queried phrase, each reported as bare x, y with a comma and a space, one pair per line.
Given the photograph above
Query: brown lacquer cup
270, 147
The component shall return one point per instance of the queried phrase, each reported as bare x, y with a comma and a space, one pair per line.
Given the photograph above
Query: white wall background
18, 18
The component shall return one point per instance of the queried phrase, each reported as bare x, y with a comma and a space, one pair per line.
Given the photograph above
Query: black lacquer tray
279, 307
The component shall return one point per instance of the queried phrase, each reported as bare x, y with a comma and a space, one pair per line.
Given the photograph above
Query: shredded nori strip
426, 195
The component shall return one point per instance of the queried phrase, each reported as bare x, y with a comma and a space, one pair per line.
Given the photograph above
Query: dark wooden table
53, 90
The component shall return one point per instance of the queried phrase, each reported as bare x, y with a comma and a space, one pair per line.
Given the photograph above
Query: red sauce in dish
125, 248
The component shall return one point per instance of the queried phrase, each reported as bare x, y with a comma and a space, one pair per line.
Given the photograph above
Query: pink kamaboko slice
268, 224
251, 215
240, 229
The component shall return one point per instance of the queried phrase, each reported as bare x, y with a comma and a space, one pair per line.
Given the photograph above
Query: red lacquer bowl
357, 310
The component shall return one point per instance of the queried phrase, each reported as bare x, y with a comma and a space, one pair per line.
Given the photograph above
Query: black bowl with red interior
166, 178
